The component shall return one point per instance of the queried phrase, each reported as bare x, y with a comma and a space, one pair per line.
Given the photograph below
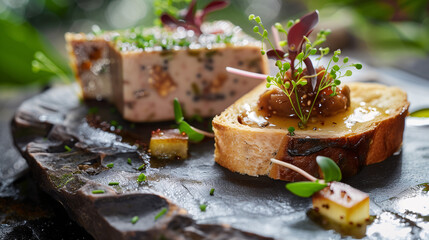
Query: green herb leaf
349, 73
345, 60
113, 183
192, 134
331, 171
203, 207
178, 114
141, 166
305, 189
424, 113
129, 161
251, 17
110, 165
184, 127
141, 178
161, 213
291, 131
67, 148
256, 29
98, 191
212, 191
358, 66
134, 220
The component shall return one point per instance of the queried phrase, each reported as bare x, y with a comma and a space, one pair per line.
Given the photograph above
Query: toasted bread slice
368, 132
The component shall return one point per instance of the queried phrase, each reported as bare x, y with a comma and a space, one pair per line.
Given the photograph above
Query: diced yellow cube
169, 144
342, 204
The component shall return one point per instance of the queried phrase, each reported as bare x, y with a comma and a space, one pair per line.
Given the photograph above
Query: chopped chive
113, 183
129, 161
98, 191
141, 167
203, 207
110, 165
161, 213
67, 148
212, 192
134, 219
114, 123
141, 178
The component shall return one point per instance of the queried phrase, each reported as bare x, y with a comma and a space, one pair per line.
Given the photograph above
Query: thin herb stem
276, 37
207, 134
296, 169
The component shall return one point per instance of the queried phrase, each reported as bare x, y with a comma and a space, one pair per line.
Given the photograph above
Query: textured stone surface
43, 125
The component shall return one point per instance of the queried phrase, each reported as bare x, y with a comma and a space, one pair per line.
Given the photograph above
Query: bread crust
248, 150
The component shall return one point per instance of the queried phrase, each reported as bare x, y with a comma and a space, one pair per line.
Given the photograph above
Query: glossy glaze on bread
349, 140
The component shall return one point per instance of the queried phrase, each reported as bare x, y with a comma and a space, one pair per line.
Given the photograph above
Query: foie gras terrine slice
141, 70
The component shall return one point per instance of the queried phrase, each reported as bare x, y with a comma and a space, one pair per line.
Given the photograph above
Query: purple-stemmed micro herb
292, 54
192, 19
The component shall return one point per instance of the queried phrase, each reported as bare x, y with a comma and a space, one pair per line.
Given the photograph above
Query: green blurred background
386, 32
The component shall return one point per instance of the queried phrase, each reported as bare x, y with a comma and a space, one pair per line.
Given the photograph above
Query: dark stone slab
242, 207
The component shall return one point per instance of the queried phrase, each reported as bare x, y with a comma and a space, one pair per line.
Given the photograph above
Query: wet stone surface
256, 207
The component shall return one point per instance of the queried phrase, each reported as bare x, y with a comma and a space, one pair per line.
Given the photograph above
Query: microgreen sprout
194, 134
295, 68
203, 207
134, 220
113, 183
291, 131
331, 172
42, 63
129, 161
212, 191
141, 177
98, 191
161, 213
110, 165
141, 166
67, 148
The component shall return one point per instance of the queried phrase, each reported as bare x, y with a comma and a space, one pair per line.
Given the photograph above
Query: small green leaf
110, 165
335, 58
265, 34
331, 171
258, 19
290, 23
256, 29
345, 60
334, 91
358, 66
134, 219
300, 56
291, 131
282, 43
178, 115
203, 207
251, 17
337, 82
278, 26
67, 148
212, 191
194, 136
336, 68
161, 213
305, 189
313, 51
349, 73
141, 177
